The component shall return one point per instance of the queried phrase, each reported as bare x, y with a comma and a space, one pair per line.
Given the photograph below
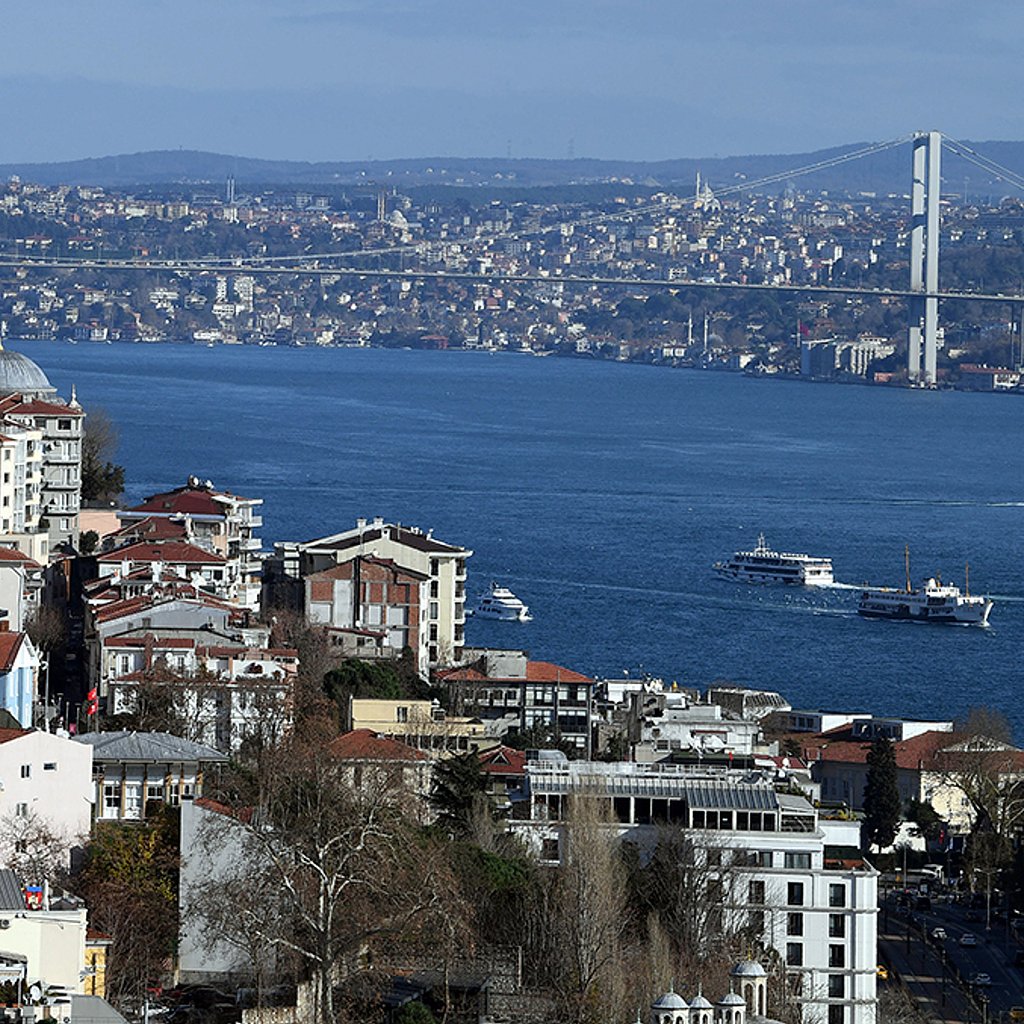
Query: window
837, 895
836, 956
433, 588
836, 986
795, 924
836, 926
49, 766
402, 714
433, 609
63, 424
714, 858
795, 954
798, 860
549, 849
112, 798
132, 801
21, 810
836, 1015
26, 771
755, 892
795, 894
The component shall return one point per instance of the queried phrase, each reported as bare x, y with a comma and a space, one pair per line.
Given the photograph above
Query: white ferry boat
933, 601
763, 565
500, 603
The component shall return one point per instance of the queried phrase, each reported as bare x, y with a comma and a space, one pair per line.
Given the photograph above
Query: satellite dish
35, 993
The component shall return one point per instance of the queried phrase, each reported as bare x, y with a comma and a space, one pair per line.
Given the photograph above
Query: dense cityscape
247, 784
693, 237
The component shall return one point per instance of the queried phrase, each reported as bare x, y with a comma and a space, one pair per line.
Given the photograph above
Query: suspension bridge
922, 294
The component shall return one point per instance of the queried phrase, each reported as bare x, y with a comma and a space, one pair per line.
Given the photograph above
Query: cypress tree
882, 808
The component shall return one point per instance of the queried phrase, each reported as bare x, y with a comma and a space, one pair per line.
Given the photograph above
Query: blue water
602, 493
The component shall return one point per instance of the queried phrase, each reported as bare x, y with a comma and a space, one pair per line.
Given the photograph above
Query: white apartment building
46, 777
817, 912
217, 521
409, 548
21, 479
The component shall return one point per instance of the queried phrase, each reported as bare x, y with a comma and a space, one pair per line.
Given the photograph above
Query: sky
634, 79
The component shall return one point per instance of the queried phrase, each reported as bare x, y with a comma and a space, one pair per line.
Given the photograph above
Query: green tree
882, 808
415, 1013
102, 480
458, 791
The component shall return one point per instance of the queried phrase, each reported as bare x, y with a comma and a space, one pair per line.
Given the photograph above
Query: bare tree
34, 848
340, 865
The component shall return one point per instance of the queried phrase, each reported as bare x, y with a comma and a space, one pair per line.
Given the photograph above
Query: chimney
378, 520
361, 523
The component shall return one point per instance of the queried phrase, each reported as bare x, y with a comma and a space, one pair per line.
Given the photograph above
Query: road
937, 971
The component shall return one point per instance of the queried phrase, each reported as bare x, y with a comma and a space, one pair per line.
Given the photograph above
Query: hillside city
255, 782
613, 229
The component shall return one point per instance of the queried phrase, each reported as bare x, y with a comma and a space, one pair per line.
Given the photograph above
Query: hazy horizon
352, 80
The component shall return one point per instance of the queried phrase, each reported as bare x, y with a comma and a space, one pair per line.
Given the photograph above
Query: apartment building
507, 684
407, 548
781, 866
217, 521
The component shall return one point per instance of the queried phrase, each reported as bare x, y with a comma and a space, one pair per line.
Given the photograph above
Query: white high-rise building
818, 911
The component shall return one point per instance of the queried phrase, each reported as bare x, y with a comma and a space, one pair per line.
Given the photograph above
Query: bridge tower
923, 308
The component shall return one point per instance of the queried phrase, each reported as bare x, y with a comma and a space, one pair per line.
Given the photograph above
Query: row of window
836, 958
48, 766
795, 891
836, 924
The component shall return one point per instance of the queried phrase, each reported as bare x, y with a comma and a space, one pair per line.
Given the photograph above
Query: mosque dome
748, 969
19, 375
700, 1002
732, 999
669, 1001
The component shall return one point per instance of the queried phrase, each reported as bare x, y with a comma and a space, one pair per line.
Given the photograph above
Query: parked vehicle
939, 932
967, 939
980, 979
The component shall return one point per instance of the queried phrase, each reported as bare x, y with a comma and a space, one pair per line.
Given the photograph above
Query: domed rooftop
732, 999
700, 1002
669, 1001
748, 969
19, 375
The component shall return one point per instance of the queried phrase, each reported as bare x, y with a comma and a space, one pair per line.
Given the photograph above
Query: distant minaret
689, 328
705, 334
382, 204
230, 191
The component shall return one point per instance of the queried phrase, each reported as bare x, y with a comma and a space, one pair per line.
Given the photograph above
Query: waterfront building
217, 521
409, 549
783, 870
527, 695
421, 724
40, 459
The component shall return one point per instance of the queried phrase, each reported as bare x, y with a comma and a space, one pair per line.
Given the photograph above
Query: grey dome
732, 999
18, 374
700, 1002
748, 969
669, 1001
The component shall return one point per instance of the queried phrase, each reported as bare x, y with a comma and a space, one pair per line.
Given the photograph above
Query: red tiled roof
37, 407
15, 557
195, 503
152, 528
157, 641
164, 551
503, 760
536, 672
366, 745
400, 534
911, 755
12, 734
10, 644
340, 571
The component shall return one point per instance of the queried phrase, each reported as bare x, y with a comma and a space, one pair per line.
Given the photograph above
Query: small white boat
500, 603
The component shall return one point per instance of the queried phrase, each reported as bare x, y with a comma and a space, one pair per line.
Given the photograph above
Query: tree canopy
882, 807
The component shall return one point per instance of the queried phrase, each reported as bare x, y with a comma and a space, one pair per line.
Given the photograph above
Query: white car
980, 979
939, 933
967, 939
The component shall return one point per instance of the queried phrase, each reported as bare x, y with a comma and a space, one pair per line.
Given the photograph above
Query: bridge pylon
923, 306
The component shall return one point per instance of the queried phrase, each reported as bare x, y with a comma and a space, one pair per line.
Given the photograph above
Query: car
939, 932
967, 939
883, 972
980, 979
1017, 1013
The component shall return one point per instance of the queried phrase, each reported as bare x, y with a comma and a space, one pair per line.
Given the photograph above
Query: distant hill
881, 172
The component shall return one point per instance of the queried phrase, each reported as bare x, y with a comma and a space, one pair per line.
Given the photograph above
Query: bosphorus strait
602, 494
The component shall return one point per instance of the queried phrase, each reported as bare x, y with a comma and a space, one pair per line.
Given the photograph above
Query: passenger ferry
763, 565
933, 601
500, 603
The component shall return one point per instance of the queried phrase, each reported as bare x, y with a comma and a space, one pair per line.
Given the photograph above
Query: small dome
732, 999
748, 969
700, 1003
19, 375
669, 1001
